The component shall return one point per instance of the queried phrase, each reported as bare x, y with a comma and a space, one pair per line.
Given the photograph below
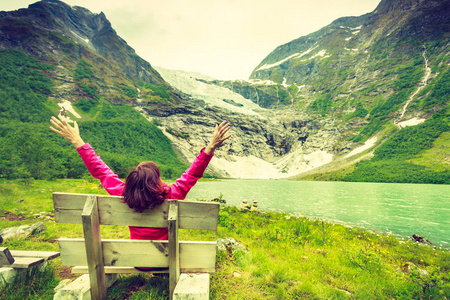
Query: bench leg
80, 288
192, 286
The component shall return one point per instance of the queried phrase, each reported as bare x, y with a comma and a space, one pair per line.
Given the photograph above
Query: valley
361, 99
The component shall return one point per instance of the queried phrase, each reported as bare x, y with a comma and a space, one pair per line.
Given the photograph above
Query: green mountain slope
61, 54
376, 73
121, 135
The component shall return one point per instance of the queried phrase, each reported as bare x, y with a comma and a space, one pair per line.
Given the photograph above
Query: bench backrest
95, 210
191, 214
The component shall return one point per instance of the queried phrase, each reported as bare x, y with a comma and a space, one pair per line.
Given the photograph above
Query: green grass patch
289, 257
414, 154
24, 88
438, 157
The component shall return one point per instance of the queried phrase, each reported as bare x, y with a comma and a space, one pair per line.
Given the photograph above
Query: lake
401, 209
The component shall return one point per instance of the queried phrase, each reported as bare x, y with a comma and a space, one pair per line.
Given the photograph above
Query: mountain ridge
309, 103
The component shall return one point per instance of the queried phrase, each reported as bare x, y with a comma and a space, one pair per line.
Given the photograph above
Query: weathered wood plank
6, 258
117, 213
192, 214
26, 262
117, 270
132, 270
195, 254
47, 255
126, 253
174, 248
71, 200
198, 215
91, 228
111, 211
118, 253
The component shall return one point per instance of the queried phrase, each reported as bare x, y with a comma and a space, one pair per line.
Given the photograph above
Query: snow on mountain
200, 87
296, 55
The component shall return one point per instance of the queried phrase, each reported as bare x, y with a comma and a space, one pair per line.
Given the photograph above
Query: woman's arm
98, 169
190, 177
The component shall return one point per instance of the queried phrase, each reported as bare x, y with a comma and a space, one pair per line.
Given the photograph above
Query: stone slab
80, 288
192, 287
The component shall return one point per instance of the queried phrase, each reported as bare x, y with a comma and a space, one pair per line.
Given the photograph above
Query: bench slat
126, 253
117, 270
192, 214
132, 270
47, 255
26, 262
6, 257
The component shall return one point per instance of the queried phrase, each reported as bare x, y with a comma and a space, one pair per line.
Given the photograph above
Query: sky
224, 39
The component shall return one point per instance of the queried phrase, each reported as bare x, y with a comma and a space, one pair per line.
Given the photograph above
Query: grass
438, 157
288, 257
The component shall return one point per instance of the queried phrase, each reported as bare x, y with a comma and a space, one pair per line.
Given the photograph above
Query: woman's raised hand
71, 134
219, 136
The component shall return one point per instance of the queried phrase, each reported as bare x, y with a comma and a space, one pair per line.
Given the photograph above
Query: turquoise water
402, 209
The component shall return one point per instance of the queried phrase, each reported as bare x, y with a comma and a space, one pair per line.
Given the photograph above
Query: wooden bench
98, 257
15, 263
21, 259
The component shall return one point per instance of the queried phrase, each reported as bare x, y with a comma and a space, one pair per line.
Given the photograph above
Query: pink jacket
114, 186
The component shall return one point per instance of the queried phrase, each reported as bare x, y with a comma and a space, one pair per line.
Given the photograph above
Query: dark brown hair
144, 188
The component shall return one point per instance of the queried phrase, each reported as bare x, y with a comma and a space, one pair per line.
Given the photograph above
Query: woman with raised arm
143, 187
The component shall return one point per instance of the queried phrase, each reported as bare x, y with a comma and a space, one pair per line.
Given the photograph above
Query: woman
143, 187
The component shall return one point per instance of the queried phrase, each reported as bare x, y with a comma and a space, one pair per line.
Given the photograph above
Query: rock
24, 231
254, 205
264, 146
347, 293
244, 205
236, 274
43, 215
219, 200
230, 245
411, 267
421, 239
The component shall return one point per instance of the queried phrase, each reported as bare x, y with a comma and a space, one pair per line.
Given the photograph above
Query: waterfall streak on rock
422, 85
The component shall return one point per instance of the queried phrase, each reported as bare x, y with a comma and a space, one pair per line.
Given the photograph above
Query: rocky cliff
266, 143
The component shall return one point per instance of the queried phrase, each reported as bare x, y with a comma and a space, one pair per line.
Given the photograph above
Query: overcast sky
225, 39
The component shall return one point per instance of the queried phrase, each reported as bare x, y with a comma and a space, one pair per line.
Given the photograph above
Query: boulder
230, 245
421, 239
21, 232
411, 267
244, 205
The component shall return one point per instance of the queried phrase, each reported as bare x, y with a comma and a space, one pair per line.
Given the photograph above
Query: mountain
374, 74
56, 57
363, 99
61, 35
368, 65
